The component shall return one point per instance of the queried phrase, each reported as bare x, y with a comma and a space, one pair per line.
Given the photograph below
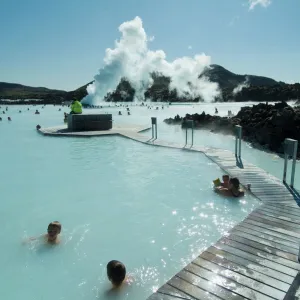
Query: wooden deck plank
271, 222
241, 269
284, 210
167, 289
278, 208
272, 234
264, 241
161, 296
288, 233
239, 278
254, 256
223, 282
280, 216
288, 266
195, 289
248, 262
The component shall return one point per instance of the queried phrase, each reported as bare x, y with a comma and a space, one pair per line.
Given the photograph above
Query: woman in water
233, 189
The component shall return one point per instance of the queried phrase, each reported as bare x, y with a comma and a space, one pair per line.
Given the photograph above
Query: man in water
76, 107
53, 230
225, 182
233, 189
116, 273
51, 237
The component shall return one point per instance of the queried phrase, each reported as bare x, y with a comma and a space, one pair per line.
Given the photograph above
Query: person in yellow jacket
76, 107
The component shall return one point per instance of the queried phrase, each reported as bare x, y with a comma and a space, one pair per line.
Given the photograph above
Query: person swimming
9, 118
37, 112
52, 235
53, 230
116, 273
225, 182
233, 189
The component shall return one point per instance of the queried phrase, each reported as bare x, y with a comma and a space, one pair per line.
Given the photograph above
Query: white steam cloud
239, 88
254, 3
131, 59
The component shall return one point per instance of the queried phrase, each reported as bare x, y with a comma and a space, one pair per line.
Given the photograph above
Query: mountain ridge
255, 88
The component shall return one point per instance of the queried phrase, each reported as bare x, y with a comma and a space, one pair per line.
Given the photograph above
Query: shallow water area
152, 208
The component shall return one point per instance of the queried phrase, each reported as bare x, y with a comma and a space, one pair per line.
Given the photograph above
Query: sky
61, 44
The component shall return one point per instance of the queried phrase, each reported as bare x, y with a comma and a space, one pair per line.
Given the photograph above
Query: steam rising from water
132, 59
239, 88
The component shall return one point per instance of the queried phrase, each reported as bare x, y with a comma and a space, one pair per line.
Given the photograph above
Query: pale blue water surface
152, 208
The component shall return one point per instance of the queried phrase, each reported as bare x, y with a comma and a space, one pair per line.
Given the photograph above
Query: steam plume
131, 59
239, 88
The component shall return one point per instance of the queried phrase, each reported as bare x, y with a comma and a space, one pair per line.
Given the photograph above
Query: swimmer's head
116, 272
225, 178
234, 182
54, 229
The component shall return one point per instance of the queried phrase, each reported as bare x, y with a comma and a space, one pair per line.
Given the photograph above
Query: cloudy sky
62, 43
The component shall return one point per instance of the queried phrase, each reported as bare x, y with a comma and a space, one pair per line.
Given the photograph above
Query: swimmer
0, 119
53, 230
120, 113
225, 182
51, 237
37, 112
233, 189
8, 118
116, 273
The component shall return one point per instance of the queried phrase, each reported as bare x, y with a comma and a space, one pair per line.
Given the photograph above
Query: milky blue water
152, 208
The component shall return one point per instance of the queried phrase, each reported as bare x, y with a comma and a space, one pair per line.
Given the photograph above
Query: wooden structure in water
258, 259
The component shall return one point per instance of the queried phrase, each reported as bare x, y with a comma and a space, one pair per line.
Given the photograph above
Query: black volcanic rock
263, 124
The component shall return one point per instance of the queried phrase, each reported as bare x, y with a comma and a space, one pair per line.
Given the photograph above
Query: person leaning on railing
76, 107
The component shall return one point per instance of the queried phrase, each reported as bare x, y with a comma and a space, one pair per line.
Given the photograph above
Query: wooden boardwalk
258, 260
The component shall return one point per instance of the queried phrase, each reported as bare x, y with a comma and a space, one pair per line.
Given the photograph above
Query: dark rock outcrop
263, 124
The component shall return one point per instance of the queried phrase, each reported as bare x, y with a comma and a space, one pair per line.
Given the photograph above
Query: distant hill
229, 80
251, 87
16, 91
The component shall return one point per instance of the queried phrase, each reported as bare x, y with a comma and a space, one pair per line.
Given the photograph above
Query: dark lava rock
263, 124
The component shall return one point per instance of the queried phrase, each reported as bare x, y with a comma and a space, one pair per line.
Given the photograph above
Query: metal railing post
236, 145
186, 132
285, 167
189, 124
240, 141
154, 123
295, 149
290, 150
192, 133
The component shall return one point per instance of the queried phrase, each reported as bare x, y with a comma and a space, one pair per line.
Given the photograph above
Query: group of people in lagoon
116, 270
230, 187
